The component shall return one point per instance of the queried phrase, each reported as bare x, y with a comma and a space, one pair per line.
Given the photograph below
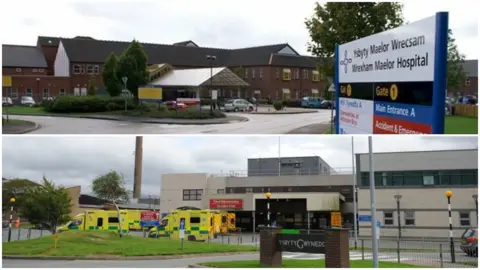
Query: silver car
27, 101
235, 105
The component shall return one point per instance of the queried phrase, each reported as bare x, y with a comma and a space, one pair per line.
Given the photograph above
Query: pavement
18, 127
257, 124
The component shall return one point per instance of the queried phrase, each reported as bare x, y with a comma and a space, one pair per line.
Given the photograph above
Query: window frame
287, 74
390, 219
406, 216
28, 92
90, 69
192, 194
12, 91
62, 90
469, 219
18, 70
47, 92
467, 81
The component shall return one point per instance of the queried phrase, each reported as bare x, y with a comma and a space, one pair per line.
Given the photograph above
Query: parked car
6, 101
470, 242
236, 105
312, 102
27, 101
326, 104
173, 105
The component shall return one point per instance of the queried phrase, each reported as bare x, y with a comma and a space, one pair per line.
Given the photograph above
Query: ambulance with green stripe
199, 225
97, 221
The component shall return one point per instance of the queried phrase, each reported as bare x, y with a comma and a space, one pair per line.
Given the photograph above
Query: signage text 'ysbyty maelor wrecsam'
387, 64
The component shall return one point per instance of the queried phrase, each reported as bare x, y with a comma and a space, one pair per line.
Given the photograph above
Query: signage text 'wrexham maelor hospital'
401, 62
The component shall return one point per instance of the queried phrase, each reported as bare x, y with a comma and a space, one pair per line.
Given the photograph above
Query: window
41, 70
220, 191
409, 218
46, 93
192, 194
315, 76
90, 69
467, 81
428, 180
194, 220
78, 69
248, 190
75, 223
305, 74
164, 223
62, 92
253, 73
388, 218
18, 70
287, 75
13, 93
277, 73
99, 222
34, 70
464, 219
28, 92
297, 74
260, 73
246, 73
113, 220
96, 69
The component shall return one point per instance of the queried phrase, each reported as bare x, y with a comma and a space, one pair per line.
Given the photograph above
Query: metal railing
23, 234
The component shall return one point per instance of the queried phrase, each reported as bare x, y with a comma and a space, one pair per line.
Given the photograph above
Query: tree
109, 75
133, 65
342, 22
111, 187
239, 71
91, 90
455, 73
46, 205
15, 188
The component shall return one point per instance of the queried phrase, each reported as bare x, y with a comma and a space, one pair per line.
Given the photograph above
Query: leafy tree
133, 64
455, 73
342, 22
111, 187
109, 75
92, 89
239, 71
46, 205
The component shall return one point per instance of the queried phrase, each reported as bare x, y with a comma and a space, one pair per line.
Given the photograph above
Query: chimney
137, 181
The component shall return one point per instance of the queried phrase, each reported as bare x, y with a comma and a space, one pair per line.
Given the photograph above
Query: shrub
111, 106
277, 105
86, 104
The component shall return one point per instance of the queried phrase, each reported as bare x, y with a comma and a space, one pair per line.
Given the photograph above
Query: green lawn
84, 244
307, 264
453, 125
24, 110
12, 121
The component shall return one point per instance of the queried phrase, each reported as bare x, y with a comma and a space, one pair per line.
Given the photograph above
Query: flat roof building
308, 201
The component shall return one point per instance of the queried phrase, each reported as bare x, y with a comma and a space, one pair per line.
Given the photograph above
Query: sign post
182, 230
393, 82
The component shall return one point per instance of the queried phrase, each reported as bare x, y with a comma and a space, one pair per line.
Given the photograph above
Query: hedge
86, 104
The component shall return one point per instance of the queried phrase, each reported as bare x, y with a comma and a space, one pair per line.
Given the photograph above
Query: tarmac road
258, 124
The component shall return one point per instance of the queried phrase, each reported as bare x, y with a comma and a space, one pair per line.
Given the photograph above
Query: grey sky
76, 160
213, 23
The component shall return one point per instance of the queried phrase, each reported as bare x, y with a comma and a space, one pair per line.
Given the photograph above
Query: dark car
470, 242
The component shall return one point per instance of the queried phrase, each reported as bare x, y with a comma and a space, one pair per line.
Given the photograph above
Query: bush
181, 114
111, 106
277, 105
86, 104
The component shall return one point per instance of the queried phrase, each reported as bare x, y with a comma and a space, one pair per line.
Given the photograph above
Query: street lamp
398, 198
12, 201
268, 195
38, 87
211, 58
475, 198
449, 194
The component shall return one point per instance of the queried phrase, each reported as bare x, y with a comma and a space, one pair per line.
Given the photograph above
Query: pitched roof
185, 43
221, 76
96, 51
471, 68
292, 61
22, 56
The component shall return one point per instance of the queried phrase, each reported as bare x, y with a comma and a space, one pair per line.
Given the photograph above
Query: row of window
298, 94
34, 70
409, 216
287, 74
422, 178
80, 69
13, 92
196, 194
260, 73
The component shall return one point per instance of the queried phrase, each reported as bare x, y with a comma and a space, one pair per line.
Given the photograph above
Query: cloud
77, 160
216, 23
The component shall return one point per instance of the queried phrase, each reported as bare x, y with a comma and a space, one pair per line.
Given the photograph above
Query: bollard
29, 233
398, 250
18, 237
363, 250
441, 256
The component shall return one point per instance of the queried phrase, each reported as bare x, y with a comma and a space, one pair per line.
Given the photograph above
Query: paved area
15, 127
257, 124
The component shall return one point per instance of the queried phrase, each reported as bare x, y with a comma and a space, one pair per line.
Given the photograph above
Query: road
257, 124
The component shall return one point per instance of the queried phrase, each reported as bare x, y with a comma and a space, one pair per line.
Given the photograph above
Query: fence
23, 234
465, 110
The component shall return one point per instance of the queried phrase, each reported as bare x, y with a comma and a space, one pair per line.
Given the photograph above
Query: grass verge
85, 244
13, 122
307, 264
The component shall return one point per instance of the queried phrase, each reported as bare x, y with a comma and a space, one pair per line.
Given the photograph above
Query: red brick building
63, 66
470, 85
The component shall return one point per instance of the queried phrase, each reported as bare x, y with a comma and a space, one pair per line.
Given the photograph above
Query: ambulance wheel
192, 238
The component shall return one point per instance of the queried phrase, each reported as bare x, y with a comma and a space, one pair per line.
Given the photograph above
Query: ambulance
200, 225
97, 221
227, 222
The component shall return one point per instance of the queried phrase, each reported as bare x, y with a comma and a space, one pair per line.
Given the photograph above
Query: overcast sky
213, 23
76, 160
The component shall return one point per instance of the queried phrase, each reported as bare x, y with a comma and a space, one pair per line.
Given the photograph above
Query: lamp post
449, 194
211, 58
12, 201
268, 195
475, 198
125, 90
398, 198
38, 88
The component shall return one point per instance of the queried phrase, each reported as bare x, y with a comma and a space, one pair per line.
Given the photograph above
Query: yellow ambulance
97, 221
